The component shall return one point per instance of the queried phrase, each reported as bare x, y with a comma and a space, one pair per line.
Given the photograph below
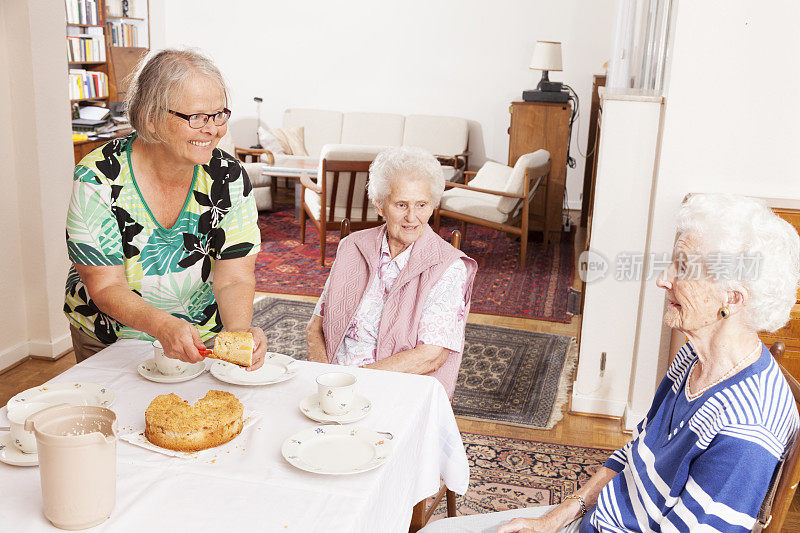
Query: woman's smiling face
188, 145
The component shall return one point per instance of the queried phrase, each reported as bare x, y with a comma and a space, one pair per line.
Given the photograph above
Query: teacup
23, 440
336, 391
167, 365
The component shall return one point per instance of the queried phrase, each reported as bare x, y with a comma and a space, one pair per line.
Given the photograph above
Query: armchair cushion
343, 152
373, 129
494, 177
515, 181
439, 135
477, 204
313, 200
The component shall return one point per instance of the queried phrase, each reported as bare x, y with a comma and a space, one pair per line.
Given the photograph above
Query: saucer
10, 455
276, 368
311, 408
148, 370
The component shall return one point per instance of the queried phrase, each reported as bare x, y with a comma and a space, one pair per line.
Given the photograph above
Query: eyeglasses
198, 120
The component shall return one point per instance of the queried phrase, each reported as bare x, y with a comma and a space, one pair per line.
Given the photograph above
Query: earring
724, 312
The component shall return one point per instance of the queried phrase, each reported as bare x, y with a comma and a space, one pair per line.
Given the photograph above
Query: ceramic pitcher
77, 462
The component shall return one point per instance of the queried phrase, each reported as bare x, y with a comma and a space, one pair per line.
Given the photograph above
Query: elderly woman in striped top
703, 457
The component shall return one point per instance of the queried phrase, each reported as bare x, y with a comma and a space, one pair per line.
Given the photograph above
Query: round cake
174, 424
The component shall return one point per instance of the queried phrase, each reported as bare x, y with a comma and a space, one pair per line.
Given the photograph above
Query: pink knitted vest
357, 262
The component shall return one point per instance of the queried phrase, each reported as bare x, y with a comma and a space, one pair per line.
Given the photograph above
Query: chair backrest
446, 136
781, 492
372, 129
344, 172
320, 127
536, 161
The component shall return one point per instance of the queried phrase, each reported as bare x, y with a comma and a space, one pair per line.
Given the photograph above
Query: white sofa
445, 137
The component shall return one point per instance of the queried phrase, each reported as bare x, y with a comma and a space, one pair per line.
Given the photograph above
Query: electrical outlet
566, 224
602, 364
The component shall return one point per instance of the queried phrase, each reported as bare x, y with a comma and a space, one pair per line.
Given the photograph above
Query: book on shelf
123, 34
85, 48
83, 12
87, 84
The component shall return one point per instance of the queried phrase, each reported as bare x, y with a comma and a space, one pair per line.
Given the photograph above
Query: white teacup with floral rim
336, 392
167, 365
24, 440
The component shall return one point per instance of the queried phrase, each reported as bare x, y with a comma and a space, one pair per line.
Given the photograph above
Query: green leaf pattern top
109, 223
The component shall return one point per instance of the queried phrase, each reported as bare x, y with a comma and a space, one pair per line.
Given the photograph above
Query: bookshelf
103, 47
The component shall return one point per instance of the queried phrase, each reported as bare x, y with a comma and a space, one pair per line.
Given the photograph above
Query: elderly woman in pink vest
398, 295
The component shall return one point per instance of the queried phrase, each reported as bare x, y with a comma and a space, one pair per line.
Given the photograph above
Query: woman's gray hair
403, 161
157, 83
755, 249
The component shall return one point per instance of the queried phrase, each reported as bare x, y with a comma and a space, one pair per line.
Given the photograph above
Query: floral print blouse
172, 269
443, 319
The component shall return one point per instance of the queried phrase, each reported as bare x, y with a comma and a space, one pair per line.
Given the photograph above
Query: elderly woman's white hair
728, 225
401, 162
157, 82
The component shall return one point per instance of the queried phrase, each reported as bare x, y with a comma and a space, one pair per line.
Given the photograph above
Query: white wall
38, 172
721, 132
13, 324
450, 57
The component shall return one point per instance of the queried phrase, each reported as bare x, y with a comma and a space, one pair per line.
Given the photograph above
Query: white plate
337, 450
311, 408
9, 454
71, 393
276, 368
148, 370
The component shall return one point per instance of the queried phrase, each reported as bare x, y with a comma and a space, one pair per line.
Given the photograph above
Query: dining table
247, 484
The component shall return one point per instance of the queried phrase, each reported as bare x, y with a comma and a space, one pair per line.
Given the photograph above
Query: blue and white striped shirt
702, 464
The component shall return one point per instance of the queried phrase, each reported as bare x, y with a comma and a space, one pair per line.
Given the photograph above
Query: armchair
339, 192
499, 197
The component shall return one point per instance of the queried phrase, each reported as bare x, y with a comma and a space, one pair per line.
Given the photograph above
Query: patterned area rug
502, 287
513, 473
510, 376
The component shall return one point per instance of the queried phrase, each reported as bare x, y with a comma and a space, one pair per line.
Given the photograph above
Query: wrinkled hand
180, 340
259, 348
528, 525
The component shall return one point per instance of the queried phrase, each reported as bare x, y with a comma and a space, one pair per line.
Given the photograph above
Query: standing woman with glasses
162, 226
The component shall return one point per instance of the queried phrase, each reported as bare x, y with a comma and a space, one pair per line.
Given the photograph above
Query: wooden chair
499, 197
340, 192
787, 475
420, 515
253, 155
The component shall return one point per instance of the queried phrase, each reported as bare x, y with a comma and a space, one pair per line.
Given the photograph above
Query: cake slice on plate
235, 347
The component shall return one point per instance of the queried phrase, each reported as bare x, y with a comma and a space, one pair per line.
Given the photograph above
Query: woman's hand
528, 525
259, 348
180, 340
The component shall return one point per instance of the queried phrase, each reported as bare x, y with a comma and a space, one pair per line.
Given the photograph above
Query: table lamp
547, 57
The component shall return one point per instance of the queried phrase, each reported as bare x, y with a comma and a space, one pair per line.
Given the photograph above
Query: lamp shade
546, 56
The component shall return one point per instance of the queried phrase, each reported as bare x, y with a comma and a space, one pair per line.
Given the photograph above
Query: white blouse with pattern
443, 319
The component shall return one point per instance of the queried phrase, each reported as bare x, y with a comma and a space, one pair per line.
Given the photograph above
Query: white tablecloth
247, 485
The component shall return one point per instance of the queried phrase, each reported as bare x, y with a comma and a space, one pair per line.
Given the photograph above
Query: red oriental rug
502, 287
514, 473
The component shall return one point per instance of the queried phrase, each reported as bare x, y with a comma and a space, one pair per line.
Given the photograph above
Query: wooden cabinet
789, 334
537, 125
